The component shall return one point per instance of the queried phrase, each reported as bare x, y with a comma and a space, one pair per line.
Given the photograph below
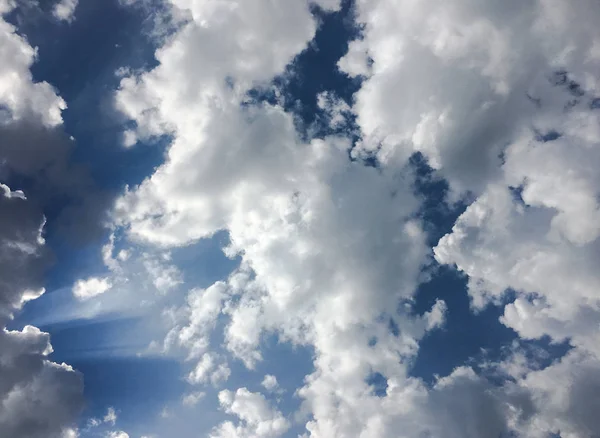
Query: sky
312, 219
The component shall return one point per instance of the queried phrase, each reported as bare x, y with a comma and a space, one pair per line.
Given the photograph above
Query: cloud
35, 149
450, 80
21, 97
256, 417
111, 416
64, 10
207, 369
192, 398
259, 37
39, 398
70, 433
85, 289
117, 434
331, 250
535, 232
270, 382
514, 125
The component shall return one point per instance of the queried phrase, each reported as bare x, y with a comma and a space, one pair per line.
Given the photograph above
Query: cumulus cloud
39, 398
34, 147
256, 417
19, 94
514, 125
451, 80
499, 100
117, 434
65, 10
270, 382
85, 289
207, 370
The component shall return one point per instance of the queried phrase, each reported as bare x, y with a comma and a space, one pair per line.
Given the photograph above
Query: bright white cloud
117, 434
270, 382
451, 80
208, 370
91, 287
65, 10
259, 38
330, 248
256, 417
70, 433
20, 96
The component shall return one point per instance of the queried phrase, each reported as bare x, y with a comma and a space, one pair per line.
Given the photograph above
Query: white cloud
259, 37
257, 417
70, 433
330, 248
20, 96
450, 79
65, 10
8, 193
164, 276
270, 382
207, 370
202, 310
192, 398
91, 287
111, 416
117, 434
568, 408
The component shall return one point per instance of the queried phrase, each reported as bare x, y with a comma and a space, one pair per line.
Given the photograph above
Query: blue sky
319, 219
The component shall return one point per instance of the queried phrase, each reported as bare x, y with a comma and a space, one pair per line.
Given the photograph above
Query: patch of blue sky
315, 71
203, 263
80, 59
138, 388
468, 337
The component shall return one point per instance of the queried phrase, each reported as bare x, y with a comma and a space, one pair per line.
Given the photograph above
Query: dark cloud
40, 160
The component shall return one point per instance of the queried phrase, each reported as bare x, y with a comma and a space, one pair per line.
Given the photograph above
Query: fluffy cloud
65, 10
498, 100
256, 417
38, 397
34, 146
451, 80
270, 382
117, 434
208, 370
501, 102
85, 289
235, 44
20, 96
